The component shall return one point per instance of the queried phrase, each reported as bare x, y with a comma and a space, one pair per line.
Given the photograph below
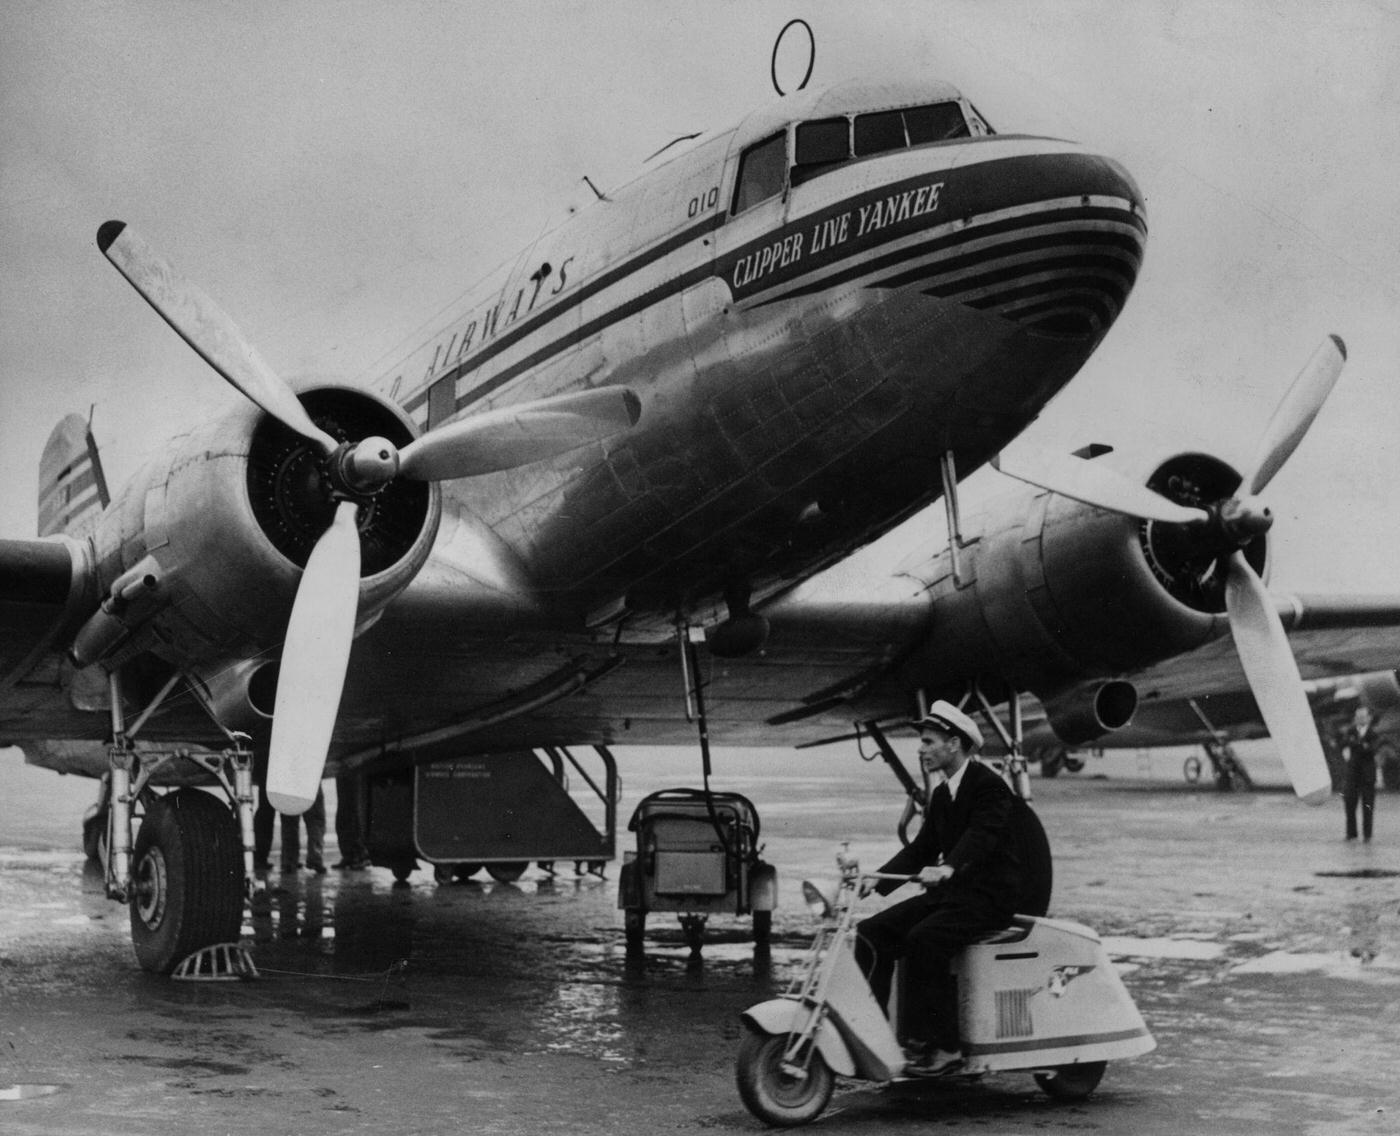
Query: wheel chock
222, 962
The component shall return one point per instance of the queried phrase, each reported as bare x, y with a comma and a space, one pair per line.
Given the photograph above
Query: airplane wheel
1073, 764
507, 873
776, 1097
95, 834
1191, 769
1072, 1082
187, 879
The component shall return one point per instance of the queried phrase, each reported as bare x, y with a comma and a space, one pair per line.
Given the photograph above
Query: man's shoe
935, 1063
319, 869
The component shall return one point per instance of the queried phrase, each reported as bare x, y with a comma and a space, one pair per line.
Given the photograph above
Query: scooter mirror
817, 902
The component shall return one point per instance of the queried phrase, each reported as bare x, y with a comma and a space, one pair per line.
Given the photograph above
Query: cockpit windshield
823, 143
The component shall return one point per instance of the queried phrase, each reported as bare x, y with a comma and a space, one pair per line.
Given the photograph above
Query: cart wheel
693, 927
635, 928
774, 1096
507, 873
762, 928
443, 873
402, 869
465, 871
1072, 1082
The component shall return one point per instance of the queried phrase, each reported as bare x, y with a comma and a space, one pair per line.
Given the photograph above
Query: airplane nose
1052, 240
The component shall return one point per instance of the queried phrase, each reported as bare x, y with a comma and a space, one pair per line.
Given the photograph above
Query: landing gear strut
183, 876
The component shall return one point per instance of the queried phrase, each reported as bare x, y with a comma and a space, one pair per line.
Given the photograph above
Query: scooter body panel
1048, 997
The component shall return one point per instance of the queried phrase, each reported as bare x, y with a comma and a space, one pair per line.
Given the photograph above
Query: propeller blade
314, 658
1274, 680
206, 327
1295, 413
517, 435
1093, 484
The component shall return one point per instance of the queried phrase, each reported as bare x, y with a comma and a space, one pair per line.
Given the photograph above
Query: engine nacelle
1379, 691
1083, 714
231, 515
1058, 597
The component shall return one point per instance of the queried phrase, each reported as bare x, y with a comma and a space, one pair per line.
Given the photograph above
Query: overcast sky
336, 174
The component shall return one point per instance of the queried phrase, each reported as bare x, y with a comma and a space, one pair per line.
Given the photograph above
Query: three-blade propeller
1257, 630
316, 652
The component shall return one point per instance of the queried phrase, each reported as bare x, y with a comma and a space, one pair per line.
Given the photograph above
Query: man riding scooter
972, 875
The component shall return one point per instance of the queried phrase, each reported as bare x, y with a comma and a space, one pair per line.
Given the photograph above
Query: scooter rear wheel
1072, 1082
776, 1097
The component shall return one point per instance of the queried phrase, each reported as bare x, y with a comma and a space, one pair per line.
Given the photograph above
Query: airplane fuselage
803, 359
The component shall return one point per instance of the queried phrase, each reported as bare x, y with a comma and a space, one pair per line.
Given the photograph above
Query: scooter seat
1014, 932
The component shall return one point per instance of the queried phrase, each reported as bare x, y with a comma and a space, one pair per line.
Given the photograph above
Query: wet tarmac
1263, 951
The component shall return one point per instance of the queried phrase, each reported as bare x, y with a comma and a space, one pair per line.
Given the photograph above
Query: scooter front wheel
774, 1095
1072, 1082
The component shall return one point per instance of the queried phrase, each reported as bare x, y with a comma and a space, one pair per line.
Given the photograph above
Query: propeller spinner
1211, 530
321, 627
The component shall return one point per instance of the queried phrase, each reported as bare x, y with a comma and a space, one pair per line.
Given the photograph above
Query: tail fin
72, 490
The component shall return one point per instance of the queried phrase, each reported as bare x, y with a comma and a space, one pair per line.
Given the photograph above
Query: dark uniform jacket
1360, 752
972, 833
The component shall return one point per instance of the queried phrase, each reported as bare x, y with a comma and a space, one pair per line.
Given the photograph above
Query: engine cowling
230, 517
1059, 599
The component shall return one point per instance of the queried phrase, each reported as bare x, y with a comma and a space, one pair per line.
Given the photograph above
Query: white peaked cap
946, 716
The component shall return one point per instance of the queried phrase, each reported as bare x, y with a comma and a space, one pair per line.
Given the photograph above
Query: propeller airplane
630, 454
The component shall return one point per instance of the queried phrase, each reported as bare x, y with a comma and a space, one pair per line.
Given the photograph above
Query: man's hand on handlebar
935, 874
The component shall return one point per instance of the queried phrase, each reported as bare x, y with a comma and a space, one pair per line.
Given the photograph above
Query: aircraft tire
1072, 1082
1073, 764
507, 873
772, 1095
95, 835
187, 879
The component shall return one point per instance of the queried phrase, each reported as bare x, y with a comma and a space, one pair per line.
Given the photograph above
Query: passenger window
936, 123
762, 172
876, 133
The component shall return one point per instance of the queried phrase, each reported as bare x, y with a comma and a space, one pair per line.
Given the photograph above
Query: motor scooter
1040, 996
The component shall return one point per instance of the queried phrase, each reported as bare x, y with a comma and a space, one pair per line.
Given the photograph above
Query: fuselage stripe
1009, 220
584, 293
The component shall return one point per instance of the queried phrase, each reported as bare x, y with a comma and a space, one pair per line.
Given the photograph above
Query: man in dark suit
1359, 746
968, 863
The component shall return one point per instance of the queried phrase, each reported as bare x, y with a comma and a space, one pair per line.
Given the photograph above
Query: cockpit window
913, 126
762, 172
876, 133
820, 145
936, 123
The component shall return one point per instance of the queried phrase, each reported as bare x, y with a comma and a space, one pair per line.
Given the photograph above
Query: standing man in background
1359, 745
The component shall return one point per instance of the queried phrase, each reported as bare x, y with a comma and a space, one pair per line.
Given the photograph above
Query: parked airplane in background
652, 430
1216, 719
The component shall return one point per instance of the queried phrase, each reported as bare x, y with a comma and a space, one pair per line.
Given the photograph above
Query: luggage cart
697, 854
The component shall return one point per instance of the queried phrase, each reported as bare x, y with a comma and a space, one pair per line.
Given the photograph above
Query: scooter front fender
788, 1015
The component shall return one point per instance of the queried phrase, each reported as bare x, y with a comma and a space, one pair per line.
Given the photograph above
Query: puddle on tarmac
28, 1092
